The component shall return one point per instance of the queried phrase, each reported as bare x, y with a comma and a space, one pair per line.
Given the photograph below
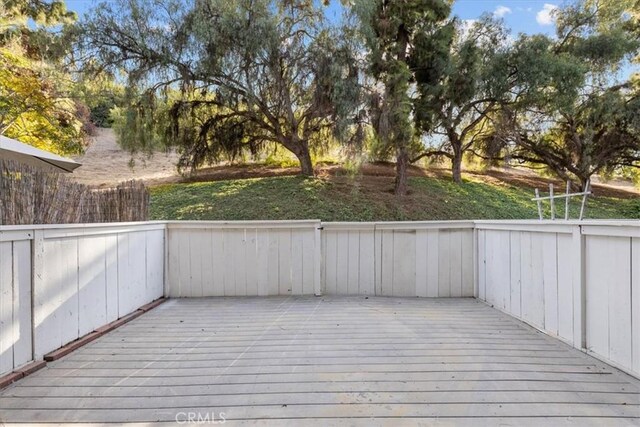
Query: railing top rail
417, 225
27, 232
23, 227
601, 227
612, 227
607, 222
243, 224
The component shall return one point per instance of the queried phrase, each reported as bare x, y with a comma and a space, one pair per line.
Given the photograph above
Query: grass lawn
363, 198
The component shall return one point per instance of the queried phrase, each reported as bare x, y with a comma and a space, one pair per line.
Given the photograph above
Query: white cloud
545, 16
501, 11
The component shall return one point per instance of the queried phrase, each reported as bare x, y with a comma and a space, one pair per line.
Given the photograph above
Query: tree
35, 105
33, 23
569, 113
460, 88
248, 73
394, 32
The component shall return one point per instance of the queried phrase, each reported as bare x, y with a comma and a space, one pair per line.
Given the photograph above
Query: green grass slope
367, 198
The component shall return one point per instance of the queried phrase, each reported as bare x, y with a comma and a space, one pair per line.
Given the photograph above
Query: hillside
230, 192
335, 197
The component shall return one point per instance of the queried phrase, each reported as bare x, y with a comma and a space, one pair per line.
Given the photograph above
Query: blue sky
528, 16
522, 16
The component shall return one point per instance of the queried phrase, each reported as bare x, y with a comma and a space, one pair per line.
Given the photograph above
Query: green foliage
36, 105
569, 113
101, 94
461, 79
35, 26
228, 78
139, 123
345, 199
396, 34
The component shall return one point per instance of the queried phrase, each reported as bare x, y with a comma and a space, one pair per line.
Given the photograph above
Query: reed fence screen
31, 196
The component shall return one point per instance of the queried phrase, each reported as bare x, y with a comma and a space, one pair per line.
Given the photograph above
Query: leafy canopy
398, 34
460, 83
568, 111
35, 102
227, 77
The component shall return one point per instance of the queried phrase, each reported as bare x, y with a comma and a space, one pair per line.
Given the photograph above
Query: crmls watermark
200, 418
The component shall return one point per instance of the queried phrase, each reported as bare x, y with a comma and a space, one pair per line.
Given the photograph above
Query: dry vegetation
31, 196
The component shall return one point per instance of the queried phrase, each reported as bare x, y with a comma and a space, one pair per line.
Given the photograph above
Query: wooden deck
326, 361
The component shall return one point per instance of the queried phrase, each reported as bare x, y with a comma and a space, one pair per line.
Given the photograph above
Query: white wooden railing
58, 283
578, 281
243, 258
409, 259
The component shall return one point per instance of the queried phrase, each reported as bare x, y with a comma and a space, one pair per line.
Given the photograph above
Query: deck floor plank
327, 360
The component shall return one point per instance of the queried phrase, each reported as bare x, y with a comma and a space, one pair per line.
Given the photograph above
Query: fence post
317, 278
566, 201
165, 264
476, 254
37, 285
579, 291
551, 200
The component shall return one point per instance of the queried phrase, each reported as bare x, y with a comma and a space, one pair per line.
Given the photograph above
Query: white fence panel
398, 259
15, 300
91, 275
612, 261
242, 258
527, 271
348, 259
635, 304
579, 281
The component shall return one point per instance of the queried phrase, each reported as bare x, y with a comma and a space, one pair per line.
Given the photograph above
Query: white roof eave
11, 149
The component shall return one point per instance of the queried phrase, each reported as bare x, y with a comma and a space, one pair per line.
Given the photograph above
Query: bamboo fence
32, 196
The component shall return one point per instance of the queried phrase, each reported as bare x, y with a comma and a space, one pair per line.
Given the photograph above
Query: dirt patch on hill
104, 163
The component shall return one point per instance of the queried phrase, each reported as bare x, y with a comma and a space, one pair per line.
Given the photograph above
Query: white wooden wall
58, 283
527, 271
89, 276
348, 258
576, 281
612, 285
307, 257
15, 300
243, 258
424, 259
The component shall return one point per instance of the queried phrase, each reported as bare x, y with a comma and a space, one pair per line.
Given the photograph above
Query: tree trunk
402, 163
456, 168
583, 182
304, 157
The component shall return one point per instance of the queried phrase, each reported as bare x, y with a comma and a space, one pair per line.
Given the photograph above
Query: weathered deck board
327, 360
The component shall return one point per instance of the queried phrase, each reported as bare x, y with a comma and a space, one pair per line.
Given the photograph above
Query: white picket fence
578, 281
